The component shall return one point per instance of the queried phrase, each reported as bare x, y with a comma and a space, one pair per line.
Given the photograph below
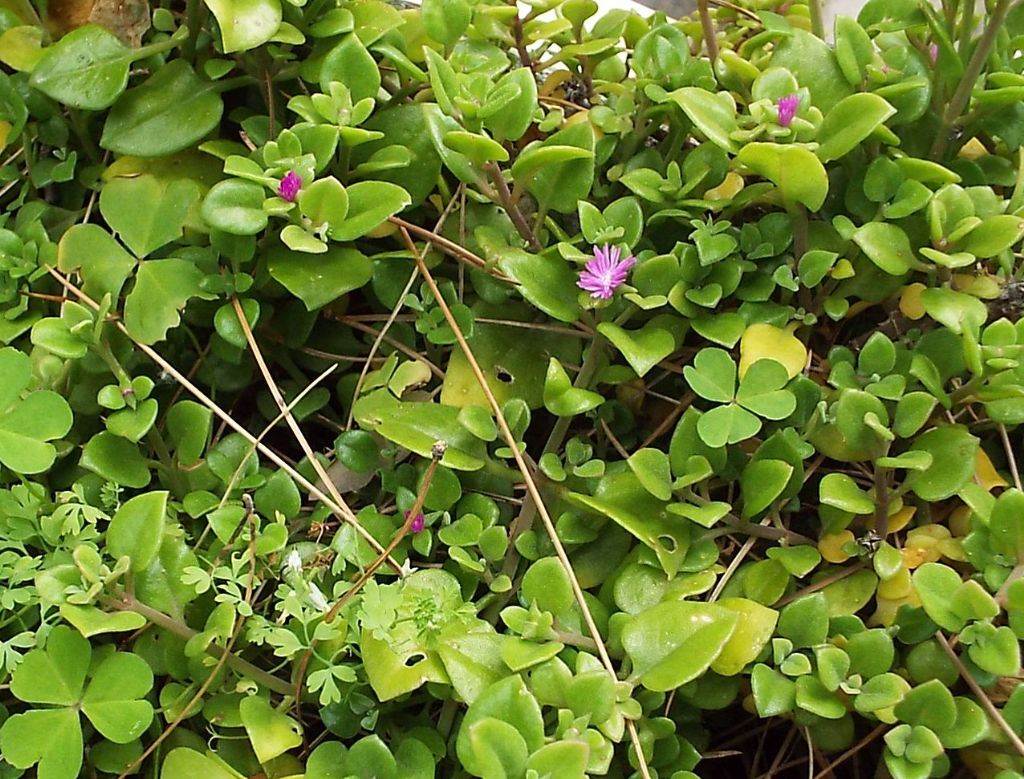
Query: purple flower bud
933, 53
605, 273
290, 185
787, 107
417, 523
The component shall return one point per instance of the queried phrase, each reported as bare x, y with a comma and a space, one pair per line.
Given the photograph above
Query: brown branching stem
507, 202
351, 592
126, 602
236, 629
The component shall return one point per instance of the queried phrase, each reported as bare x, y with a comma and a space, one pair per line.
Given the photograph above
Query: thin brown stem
250, 522
708, 26
180, 629
852, 751
820, 585
531, 487
505, 198
403, 531
979, 693
289, 418
339, 509
1011, 459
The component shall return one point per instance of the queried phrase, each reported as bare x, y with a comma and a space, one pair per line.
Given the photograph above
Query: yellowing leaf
985, 472
763, 341
728, 189
831, 546
910, 301
900, 519
972, 150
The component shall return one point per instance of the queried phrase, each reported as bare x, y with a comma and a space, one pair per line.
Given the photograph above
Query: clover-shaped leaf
112, 702
57, 675
761, 390
760, 393
712, 375
727, 425
28, 421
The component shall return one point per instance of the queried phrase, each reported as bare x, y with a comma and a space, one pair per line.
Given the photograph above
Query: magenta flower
605, 272
290, 186
787, 107
417, 522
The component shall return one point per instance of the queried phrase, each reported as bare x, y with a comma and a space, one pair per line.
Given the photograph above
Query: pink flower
605, 272
933, 53
417, 522
787, 107
290, 186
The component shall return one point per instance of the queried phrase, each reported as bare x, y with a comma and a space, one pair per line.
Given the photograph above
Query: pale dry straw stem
1011, 459
979, 693
376, 345
379, 339
270, 426
341, 510
289, 418
735, 563
450, 248
531, 487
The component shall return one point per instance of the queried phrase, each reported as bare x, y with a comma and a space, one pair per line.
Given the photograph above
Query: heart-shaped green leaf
712, 375
147, 212
564, 400
162, 287
643, 348
51, 738
761, 390
28, 423
111, 701
727, 425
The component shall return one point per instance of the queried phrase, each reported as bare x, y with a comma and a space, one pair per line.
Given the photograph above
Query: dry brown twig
340, 509
531, 487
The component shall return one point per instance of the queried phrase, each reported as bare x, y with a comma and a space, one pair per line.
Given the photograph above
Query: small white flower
293, 564
317, 598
